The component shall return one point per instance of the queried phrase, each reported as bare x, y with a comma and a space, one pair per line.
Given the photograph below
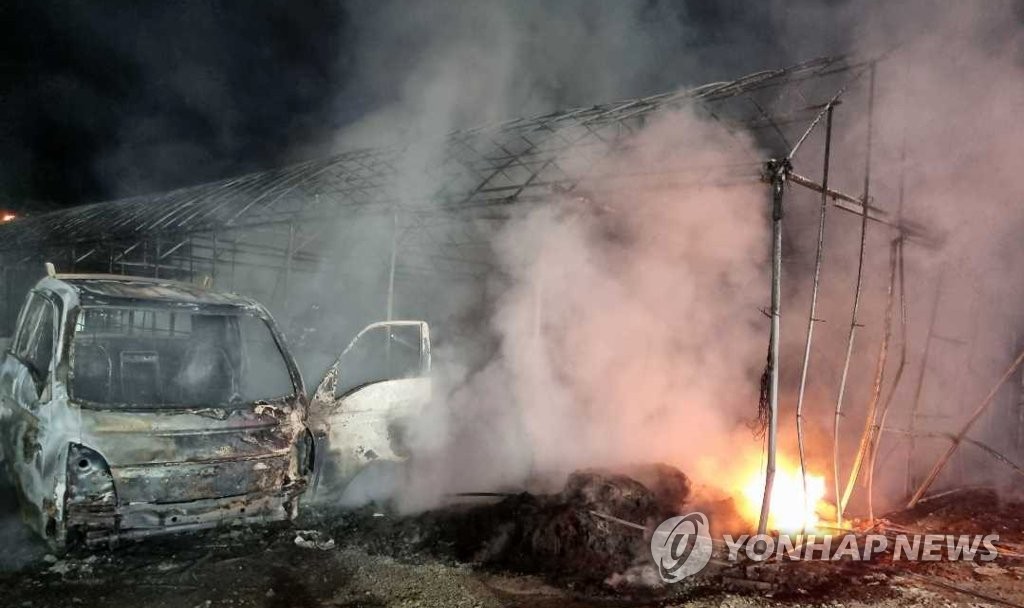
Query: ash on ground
577, 547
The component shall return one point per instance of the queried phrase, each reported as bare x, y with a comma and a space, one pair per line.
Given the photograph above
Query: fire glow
790, 511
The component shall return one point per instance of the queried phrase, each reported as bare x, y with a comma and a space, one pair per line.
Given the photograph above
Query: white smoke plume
610, 353
628, 324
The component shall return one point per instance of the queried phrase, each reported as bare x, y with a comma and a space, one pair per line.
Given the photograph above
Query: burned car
131, 407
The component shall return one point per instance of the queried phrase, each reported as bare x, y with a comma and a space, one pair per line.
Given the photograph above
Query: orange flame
791, 511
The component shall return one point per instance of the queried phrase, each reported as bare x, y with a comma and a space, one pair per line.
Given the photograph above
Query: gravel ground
366, 558
265, 567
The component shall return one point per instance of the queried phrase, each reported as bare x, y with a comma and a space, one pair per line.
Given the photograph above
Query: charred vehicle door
361, 410
28, 415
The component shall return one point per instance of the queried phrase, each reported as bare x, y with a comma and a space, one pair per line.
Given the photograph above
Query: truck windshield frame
141, 356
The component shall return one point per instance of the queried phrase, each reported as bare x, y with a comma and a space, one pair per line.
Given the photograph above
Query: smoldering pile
591, 529
595, 528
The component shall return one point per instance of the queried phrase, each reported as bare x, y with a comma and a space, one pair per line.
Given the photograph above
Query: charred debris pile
591, 529
591, 539
594, 537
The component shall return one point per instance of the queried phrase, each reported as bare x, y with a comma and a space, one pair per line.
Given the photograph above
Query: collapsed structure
267, 235
263, 233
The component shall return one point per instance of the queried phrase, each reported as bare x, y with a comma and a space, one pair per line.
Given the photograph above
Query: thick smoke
626, 327
609, 354
950, 97
615, 328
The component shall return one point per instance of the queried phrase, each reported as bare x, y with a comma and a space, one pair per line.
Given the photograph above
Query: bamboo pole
867, 437
876, 443
856, 304
811, 320
941, 462
778, 177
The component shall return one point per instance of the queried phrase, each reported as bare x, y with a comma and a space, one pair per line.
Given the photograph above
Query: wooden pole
941, 462
811, 319
856, 304
778, 178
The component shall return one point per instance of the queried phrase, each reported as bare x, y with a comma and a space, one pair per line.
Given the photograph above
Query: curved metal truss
278, 220
499, 164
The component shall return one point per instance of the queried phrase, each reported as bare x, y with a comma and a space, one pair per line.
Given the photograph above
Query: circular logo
681, 546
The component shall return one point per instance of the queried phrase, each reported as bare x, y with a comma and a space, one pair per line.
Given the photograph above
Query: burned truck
131, 407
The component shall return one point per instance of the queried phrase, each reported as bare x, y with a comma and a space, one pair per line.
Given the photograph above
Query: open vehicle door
360, 412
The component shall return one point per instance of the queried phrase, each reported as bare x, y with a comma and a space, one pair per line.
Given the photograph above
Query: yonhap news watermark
853, 547
682, 546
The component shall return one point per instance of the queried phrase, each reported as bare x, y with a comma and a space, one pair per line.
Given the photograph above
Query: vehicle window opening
34, 344
154, 357
382, 353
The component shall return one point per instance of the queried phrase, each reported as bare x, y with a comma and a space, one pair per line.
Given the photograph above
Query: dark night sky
105, 99
95, 94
